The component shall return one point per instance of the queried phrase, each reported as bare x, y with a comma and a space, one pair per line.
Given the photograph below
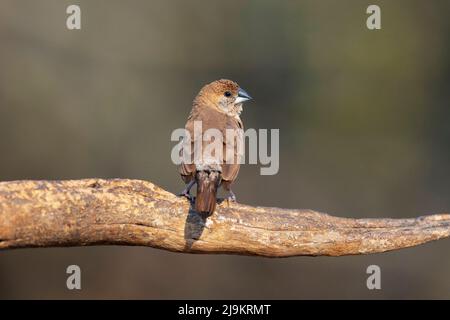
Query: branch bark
133, 212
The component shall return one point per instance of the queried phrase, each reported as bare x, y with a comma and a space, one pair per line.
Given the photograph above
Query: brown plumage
217, 106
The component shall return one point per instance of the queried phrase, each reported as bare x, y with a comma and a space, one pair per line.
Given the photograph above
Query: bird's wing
208, 119
233, 149
232, 143
187, 169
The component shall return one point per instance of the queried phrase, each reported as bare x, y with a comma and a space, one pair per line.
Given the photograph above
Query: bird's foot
231, 197
187, 195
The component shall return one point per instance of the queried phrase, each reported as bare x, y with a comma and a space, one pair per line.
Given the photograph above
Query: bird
217, 106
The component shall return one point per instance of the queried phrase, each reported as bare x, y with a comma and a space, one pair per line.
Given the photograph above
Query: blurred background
363, 118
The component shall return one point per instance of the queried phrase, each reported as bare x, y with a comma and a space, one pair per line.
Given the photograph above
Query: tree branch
132, 212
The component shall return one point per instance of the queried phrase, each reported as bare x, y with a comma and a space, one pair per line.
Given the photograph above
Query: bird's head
226, 95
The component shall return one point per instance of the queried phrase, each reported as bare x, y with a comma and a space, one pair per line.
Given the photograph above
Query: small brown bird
218, 106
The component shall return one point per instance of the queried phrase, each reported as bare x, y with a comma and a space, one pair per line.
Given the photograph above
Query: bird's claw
187, 196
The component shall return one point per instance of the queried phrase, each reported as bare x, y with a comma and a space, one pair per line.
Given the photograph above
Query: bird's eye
227, 94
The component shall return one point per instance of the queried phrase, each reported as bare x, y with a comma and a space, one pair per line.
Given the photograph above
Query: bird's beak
242, 96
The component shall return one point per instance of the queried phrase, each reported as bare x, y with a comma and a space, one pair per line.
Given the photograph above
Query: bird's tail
207, 185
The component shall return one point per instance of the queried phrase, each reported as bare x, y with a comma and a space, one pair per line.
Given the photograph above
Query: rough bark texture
132, 212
